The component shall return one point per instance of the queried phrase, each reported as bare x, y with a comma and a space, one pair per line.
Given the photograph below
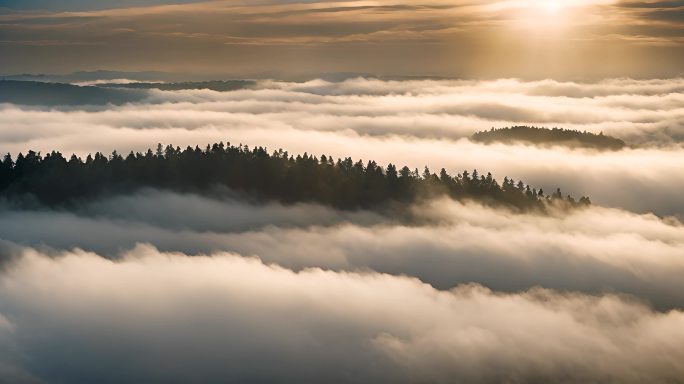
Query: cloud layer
416, 123
227, 318
441, 242
155, 286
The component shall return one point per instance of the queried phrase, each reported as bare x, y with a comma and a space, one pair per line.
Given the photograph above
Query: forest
343, 183
558, 136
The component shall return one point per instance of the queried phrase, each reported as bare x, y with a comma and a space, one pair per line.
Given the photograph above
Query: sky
209, 285
561, 39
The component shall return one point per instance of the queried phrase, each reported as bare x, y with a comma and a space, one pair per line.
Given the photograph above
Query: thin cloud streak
447, 38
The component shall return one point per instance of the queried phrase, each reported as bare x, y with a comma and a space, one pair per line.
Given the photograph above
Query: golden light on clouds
341, 191
548, 13
588, 39
551, 6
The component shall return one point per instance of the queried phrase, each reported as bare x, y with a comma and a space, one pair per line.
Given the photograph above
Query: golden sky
564, 39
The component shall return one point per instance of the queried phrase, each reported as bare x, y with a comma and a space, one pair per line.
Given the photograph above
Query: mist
415, 123
444, 243
280, 191
224, 317
358, 295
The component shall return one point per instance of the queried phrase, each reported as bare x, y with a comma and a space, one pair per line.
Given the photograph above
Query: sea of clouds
160, 317
416, 123
158, 286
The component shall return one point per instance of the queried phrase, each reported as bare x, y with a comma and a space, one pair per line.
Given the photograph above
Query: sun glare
552, 6
545, 6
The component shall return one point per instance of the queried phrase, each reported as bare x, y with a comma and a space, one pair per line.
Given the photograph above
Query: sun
552, 6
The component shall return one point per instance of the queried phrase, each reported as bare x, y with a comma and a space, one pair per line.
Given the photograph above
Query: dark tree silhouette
559, 136
53, 180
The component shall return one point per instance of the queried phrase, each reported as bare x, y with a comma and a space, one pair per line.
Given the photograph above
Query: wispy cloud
462, 35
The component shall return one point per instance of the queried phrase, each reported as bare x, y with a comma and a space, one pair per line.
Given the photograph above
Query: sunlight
547, 7
552, 6
544, 14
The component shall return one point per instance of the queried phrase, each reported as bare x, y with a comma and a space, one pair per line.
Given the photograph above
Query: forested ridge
538, 135
343, 183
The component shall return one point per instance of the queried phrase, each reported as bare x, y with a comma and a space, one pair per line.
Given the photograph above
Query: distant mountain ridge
214, 85
173, 77
82, 76
53, 94
61, 94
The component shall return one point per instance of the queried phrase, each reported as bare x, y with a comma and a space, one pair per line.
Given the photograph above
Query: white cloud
226, 318
406, 122
442, 242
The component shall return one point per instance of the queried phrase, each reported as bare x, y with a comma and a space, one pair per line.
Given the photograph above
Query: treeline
343, 183
536, 135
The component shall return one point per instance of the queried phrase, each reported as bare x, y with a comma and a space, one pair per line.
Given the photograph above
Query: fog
227, 318
156, 286
414, 123
442, 242
639, 111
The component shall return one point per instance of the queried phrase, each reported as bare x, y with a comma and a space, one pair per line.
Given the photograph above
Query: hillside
54, 94
343, 183
554, 136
